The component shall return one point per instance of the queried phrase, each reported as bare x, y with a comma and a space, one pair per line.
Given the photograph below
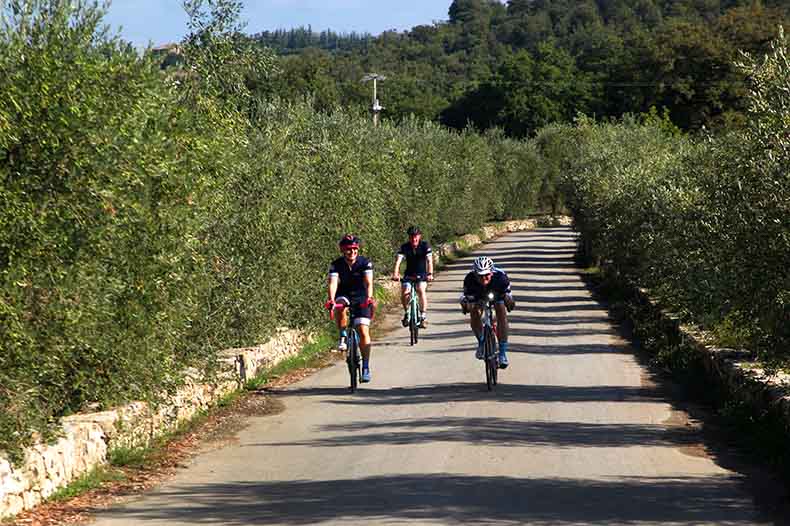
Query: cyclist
350, 283
419, 269
485, 278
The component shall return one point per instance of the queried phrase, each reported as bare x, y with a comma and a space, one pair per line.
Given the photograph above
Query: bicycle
490, 354
413, 310
353, 353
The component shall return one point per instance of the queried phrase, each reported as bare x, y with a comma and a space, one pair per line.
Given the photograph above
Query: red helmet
349, 241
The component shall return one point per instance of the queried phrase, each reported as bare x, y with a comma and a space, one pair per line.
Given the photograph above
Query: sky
164, 21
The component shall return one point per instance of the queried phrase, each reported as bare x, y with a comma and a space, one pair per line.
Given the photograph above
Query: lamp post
376, 107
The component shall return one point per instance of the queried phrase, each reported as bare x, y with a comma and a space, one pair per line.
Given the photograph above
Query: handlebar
331, 306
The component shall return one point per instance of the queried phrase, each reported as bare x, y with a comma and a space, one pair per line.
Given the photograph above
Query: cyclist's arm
398, 260
368, 279
332, 287
469, 288
430, 263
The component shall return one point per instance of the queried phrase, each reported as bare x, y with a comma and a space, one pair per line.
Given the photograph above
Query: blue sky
162, 21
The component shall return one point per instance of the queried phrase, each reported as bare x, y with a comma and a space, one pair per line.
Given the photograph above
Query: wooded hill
528, 63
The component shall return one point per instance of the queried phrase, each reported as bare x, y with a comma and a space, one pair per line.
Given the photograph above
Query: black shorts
362, 315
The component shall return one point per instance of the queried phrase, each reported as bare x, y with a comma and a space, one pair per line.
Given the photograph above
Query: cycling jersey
416, 258
351, 283
499, 285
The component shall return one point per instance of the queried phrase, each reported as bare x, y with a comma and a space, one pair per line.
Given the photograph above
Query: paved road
576, 433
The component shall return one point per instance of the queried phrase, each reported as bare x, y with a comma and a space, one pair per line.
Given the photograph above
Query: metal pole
375, 107
375, 103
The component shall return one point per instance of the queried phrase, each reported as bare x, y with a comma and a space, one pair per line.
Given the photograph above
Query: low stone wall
87, 438
730, 368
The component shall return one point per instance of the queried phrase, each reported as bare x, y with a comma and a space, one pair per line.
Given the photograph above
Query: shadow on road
460, 498
495, 432
473, 392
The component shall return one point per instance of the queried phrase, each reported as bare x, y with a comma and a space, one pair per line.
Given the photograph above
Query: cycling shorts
362, 315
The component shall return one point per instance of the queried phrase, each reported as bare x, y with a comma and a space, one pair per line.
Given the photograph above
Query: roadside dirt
217, 430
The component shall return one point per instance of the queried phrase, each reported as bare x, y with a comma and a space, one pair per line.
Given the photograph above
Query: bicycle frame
489, 318
489, 337
413, 310
353, 354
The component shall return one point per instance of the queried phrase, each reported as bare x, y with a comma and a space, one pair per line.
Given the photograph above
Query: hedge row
704, 222
149, 221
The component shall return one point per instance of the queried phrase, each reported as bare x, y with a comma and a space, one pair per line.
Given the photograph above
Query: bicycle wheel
490, 357
414, 323
494, 357
353, 359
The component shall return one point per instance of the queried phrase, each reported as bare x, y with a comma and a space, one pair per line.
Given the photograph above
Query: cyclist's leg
422, 294
476, 320
502, 327
364, 340
405, 294
341, 317
362, 323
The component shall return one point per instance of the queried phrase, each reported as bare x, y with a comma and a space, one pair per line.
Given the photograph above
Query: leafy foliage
531, 63
153, 218
701, 221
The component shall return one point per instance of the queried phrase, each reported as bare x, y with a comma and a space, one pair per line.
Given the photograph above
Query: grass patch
130, 457
383, 295
140, 457
311, 355
91, 480
760, 432
451, 258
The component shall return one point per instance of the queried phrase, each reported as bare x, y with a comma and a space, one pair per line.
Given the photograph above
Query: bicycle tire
494, 360
353, 360
494, 357
490, 357
414, 324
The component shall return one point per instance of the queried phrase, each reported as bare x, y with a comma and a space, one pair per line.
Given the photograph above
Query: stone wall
87, 438
733, 369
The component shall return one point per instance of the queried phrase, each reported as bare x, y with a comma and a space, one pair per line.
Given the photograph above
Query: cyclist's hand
395, 277
369, 302
329, 305
510, 303
430, 277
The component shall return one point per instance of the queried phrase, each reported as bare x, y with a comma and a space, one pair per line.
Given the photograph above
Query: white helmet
483, 265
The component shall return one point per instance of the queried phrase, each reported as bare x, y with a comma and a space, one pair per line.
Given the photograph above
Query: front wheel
353, 360
490, 358
414, 324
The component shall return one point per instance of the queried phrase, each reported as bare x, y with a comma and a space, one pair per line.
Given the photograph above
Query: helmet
483, 265
349, 241
414, 231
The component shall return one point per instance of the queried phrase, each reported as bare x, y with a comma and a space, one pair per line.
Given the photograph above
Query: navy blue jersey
499, 285
416, 258
351, 279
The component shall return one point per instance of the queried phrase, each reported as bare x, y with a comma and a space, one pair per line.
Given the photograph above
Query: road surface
576, 432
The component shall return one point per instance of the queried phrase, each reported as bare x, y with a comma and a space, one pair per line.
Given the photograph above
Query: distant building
169, 55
